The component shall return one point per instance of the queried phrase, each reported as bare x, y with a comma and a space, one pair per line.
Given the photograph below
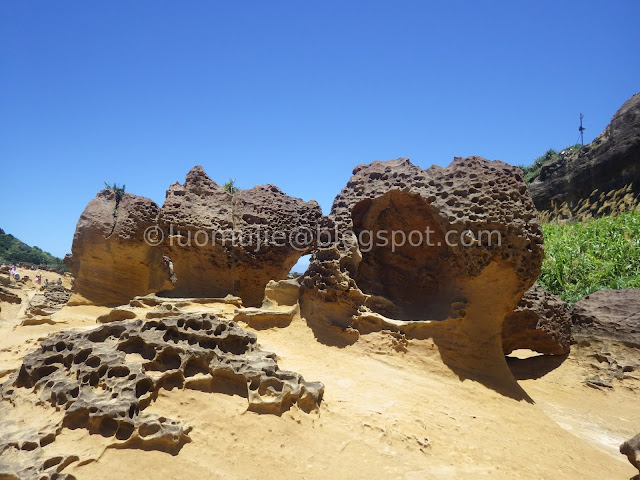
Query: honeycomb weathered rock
52, 299
483, 252
224, 244
102, 379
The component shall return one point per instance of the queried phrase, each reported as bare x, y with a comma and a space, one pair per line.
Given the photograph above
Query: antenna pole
581, 129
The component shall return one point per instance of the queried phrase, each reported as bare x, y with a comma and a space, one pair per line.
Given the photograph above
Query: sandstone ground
386, 413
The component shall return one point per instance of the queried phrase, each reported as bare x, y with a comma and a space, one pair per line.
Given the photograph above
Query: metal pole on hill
582, 129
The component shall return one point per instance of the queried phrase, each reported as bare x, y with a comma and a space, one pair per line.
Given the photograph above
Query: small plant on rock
119, 193
230, 186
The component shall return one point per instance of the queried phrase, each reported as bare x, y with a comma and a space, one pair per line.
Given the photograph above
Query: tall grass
581, 258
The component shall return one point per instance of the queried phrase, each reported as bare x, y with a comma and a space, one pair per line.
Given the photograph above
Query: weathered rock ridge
232, 244
472, 287
601, 178
102, 379
111, 261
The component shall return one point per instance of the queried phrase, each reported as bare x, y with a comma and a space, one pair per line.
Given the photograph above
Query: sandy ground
385, 414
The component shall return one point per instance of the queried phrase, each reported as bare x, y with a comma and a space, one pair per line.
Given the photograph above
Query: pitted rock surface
111, 261
461, 282
200, 221
541, 322
52, 299
103, 379
471, 194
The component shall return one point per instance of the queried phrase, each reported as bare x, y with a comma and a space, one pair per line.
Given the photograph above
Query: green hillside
13, 250
583, 257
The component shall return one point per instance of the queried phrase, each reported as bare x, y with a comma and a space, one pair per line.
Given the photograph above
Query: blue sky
290, 93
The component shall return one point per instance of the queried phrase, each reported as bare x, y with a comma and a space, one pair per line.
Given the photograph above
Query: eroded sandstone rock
10, 297
631, 448
111, 261
52, 299
227, 244
117, 314
103, 379
279, 306
541, 322
463, 282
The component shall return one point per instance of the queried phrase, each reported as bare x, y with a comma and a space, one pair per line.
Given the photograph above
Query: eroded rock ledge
102, 380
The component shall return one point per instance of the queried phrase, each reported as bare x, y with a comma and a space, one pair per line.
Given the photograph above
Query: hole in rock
166, 360
300, 267
101, 334
108, 427
137, 345
195, 366
118, 371
143, 386
125, 430
405, 257
147, 429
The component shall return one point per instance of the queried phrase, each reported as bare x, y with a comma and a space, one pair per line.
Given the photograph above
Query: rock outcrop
483, 250
10, 297
111, 261
541, 322
279, 306
52, 299
222, 244
103, 379
608, 315
601, 178
631, 448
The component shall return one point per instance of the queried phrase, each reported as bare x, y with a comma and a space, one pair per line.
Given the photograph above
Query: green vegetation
119, 191
581, 258
13, 250
230, 186
532, 171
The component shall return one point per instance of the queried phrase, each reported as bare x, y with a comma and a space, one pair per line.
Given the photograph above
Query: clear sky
294, 93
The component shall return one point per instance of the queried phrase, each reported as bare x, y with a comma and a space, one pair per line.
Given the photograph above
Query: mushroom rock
455, 285
222, 243
111, 261
541, 322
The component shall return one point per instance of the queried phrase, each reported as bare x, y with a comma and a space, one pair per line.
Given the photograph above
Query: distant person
59, 282
46, 282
